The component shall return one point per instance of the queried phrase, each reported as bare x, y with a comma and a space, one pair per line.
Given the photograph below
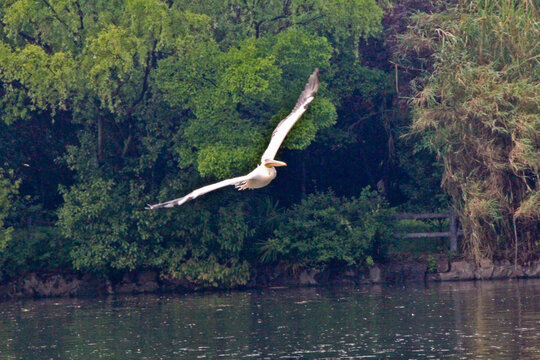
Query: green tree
145, 100
243, 98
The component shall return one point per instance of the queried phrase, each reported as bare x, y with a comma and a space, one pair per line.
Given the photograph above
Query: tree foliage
138, 101
107, 106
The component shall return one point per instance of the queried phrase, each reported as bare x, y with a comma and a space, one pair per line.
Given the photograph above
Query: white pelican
265, 172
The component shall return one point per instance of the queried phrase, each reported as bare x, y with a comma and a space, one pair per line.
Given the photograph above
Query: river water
465, 320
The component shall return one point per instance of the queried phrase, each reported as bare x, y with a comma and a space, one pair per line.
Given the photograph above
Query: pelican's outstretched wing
238, 181
286, 124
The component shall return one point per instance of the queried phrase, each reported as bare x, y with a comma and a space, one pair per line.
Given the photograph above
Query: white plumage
263, 174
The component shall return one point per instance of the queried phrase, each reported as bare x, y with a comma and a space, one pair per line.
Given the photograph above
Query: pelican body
263, 174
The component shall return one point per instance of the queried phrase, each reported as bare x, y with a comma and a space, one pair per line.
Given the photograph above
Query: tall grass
478, 107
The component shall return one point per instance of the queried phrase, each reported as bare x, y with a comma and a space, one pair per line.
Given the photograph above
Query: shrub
100, 219
35, 248
325, 229
8, 189
200, 242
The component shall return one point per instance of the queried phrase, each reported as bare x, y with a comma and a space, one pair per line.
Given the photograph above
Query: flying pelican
265, 172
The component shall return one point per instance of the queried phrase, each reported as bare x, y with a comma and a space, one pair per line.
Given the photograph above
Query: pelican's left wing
201, 191
286, 124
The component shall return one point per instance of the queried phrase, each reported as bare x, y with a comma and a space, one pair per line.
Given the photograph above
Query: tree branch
307, 21
149, 64
31, 40
57, 17
81, 15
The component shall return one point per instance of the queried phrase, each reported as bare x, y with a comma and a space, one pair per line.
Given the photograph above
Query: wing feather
285, 125
278, 136
201, 191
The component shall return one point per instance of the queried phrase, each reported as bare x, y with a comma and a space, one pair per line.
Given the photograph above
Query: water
482, 320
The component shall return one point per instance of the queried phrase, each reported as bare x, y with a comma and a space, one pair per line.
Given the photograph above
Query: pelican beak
274, 163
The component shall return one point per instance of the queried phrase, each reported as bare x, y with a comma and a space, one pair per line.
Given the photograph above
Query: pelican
265, 172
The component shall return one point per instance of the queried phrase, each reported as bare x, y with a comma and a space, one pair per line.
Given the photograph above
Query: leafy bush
100, 220
201, 242
35, 248
204, 242
25, 247
8, 188
210, 272
324, 229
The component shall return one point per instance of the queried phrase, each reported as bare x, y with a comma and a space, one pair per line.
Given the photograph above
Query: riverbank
64, 284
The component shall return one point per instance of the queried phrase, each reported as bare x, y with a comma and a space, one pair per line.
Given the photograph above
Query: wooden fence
452, 233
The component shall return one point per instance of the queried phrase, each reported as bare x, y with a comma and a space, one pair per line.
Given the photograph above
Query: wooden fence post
453, 231
452, 234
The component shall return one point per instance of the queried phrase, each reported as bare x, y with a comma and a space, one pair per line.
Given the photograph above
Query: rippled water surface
488, 320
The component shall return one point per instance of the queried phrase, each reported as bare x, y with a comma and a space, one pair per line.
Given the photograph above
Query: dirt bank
61, 284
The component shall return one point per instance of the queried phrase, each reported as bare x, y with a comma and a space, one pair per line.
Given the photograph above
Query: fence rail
452, 233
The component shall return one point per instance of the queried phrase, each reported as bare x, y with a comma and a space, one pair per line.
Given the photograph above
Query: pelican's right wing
286, 124
201, 191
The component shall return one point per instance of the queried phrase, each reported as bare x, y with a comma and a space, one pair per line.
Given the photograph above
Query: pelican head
269, 163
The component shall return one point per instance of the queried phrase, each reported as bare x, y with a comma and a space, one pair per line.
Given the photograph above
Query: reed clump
477, 106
